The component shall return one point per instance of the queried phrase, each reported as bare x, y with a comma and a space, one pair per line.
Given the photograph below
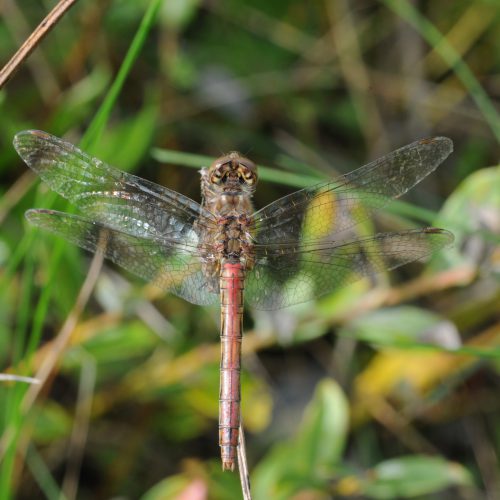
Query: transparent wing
335, 206
286, 274
119, 200
169, 264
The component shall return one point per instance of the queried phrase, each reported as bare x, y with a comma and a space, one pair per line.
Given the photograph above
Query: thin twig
426, 284
43, 75
421, 286
34, 39
62, 340
243, 465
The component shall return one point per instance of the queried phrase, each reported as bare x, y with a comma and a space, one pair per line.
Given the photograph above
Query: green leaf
127, 341
309, 459
474, 208
410, 476
321, 439
394, 326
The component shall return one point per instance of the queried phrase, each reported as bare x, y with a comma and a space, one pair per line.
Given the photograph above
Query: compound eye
216, 177
246, 176
250, 178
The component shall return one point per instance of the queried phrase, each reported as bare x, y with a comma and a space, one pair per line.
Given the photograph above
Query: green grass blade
282, 177
100, 119
43, 475
14, 419
267, 174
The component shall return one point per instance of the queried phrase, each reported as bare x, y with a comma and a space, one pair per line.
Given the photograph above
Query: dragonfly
296, 249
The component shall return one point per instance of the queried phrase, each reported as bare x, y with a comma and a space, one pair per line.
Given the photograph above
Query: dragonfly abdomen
231, 293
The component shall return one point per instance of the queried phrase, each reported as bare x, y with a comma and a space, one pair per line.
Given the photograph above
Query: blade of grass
91, 136
265, 173
12, 431
23, 310
43, 475
102, 114
291, 179
98, 123
15, 419
434, 37
269, 174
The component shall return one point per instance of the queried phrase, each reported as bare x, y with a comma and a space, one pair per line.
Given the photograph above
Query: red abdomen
231, 293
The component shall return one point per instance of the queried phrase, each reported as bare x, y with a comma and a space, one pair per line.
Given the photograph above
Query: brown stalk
243, 464
34, 40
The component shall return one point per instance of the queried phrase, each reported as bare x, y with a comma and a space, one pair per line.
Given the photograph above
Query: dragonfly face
228, 185
233, 172
296, 249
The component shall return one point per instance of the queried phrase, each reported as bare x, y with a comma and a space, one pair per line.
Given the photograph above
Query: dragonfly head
233, 172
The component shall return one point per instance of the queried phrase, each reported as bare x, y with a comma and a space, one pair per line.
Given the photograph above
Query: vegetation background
385, 389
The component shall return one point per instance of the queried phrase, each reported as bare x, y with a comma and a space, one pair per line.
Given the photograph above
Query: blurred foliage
384, 389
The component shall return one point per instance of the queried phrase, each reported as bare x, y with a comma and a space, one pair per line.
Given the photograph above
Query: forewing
335, 206
286, 274
105, 194
169, 264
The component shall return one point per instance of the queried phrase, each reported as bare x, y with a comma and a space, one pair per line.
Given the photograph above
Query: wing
286, 274
116, 199
169, 264
340, 204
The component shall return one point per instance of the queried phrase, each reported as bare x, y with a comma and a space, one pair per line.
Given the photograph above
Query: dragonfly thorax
227, 187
